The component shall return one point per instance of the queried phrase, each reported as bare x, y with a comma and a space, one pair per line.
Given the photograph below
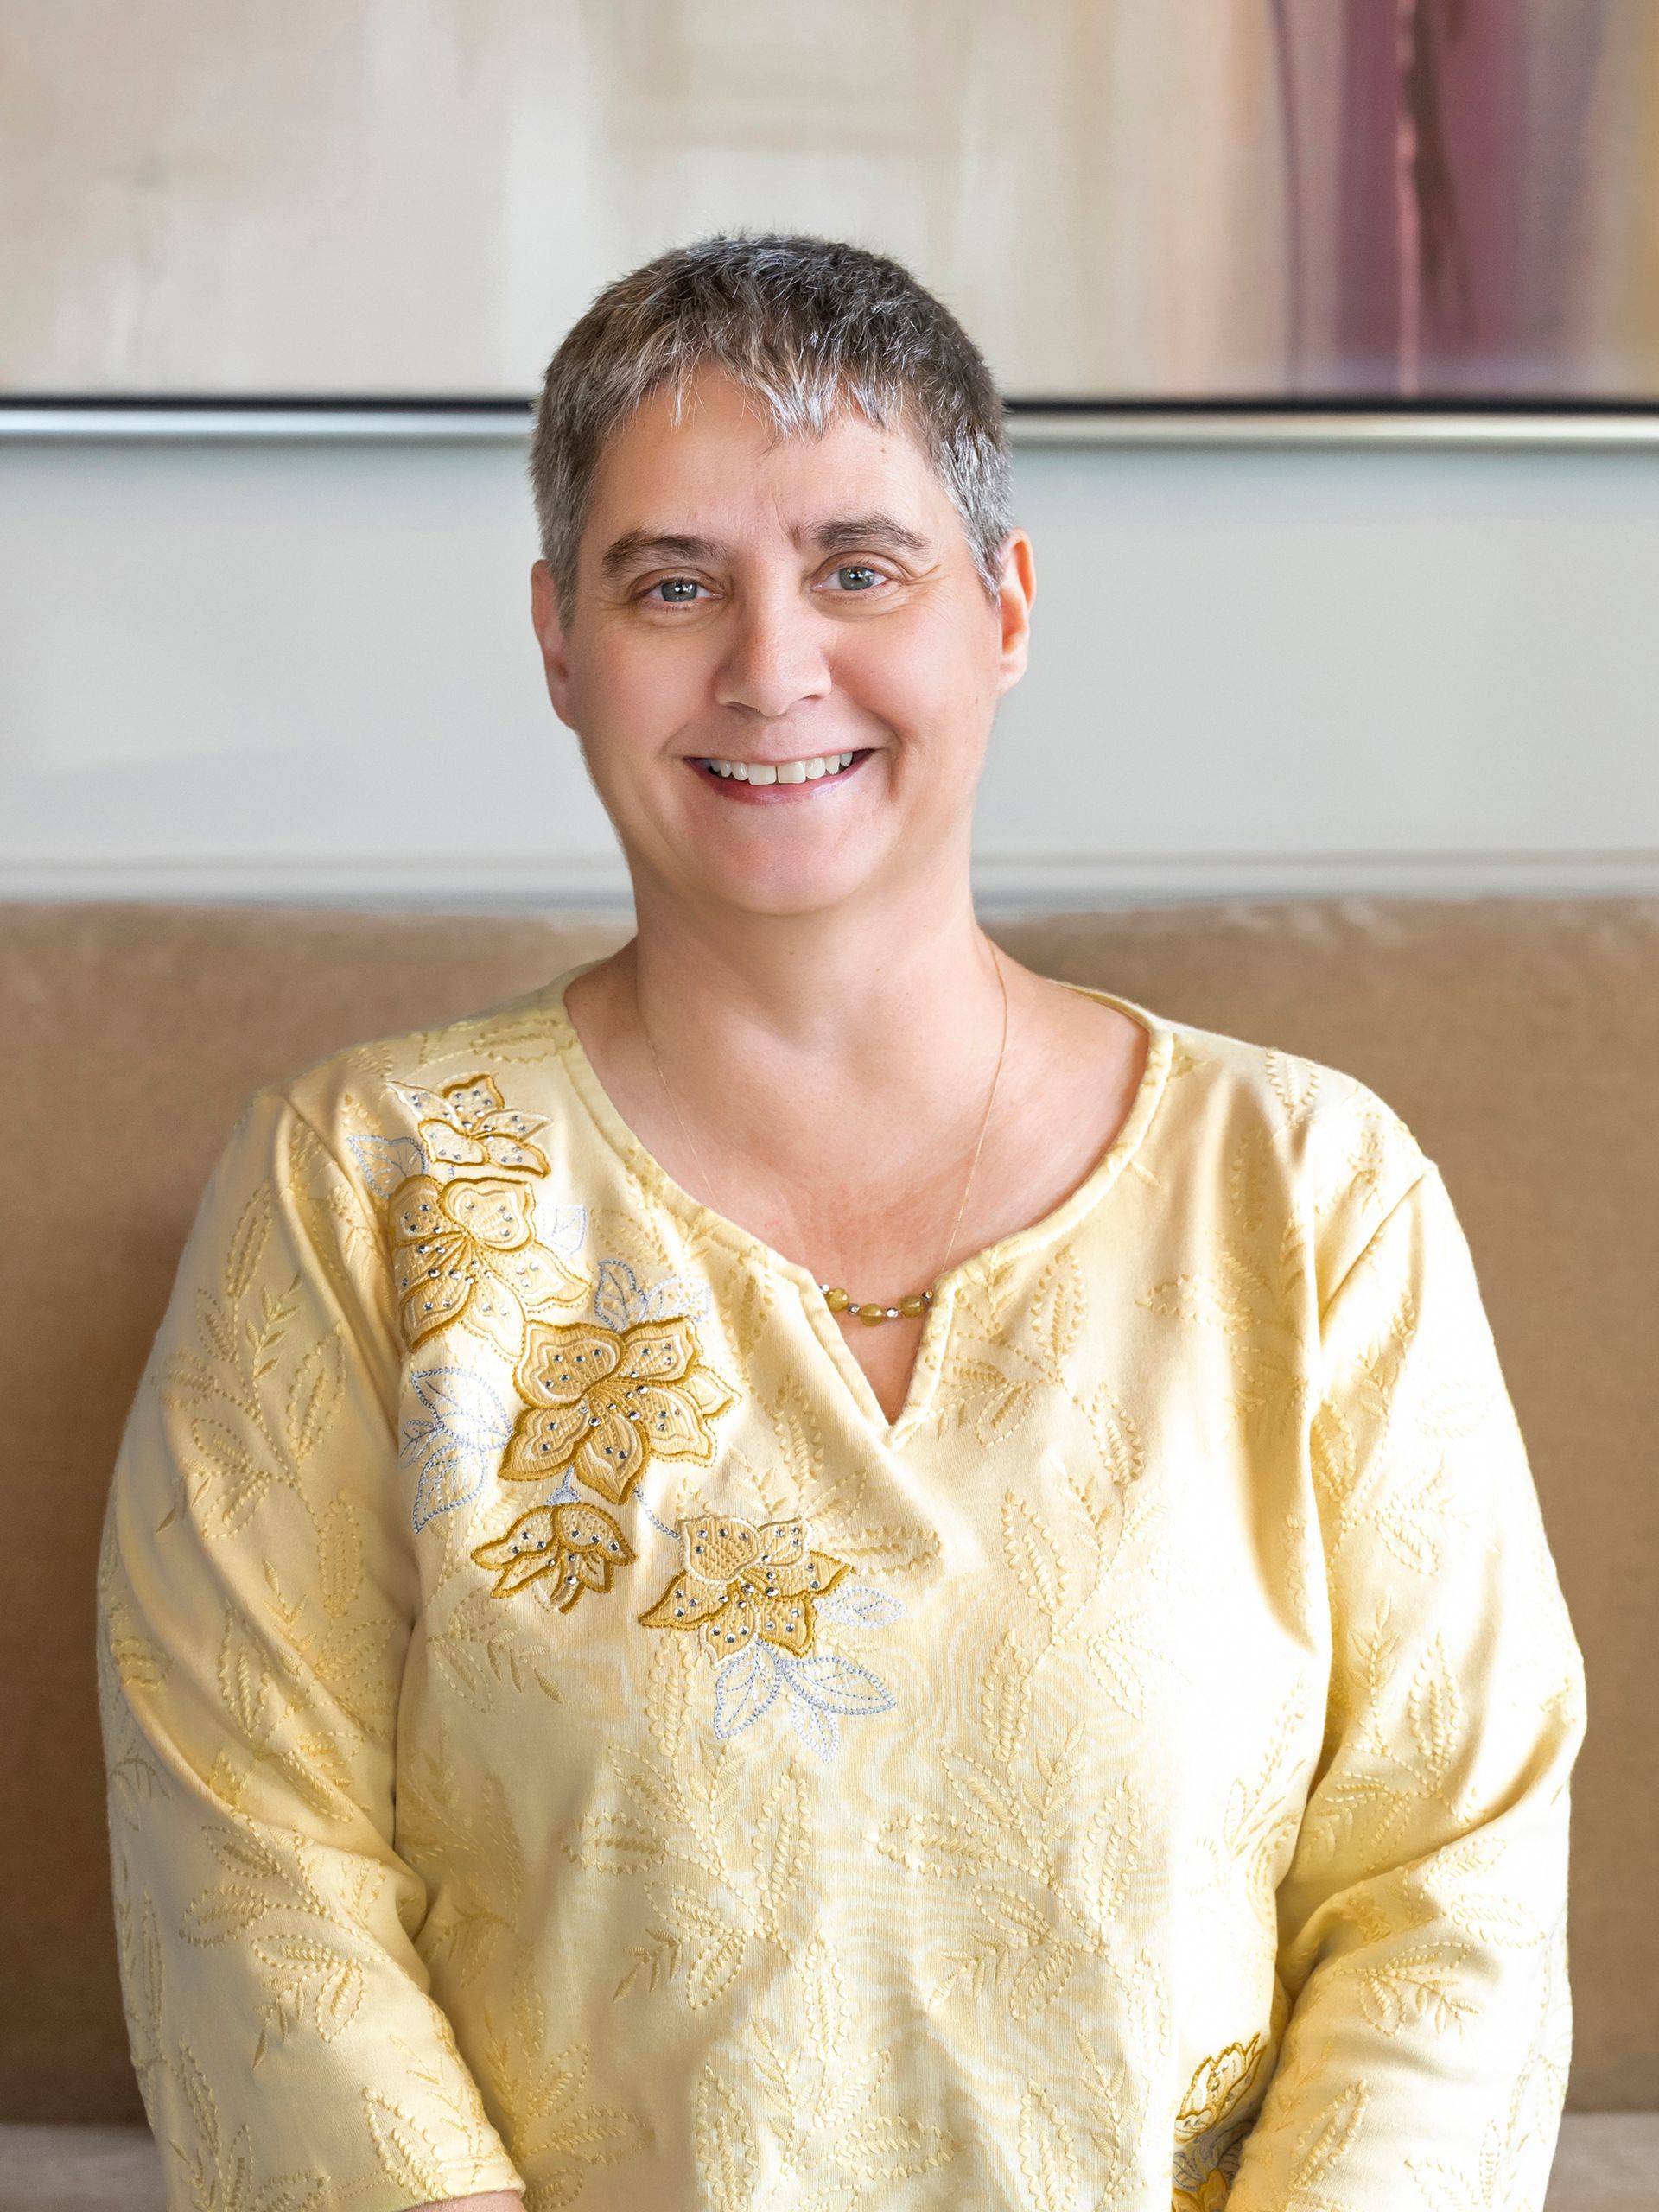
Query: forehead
718, 460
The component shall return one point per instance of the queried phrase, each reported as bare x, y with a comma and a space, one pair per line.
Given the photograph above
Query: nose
774, 660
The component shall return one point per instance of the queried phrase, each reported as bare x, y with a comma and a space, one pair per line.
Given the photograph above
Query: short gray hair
807, 327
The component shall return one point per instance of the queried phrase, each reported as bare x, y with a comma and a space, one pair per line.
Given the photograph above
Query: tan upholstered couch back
1520, 1040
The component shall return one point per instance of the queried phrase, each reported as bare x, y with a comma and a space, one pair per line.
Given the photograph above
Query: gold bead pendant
840, 1301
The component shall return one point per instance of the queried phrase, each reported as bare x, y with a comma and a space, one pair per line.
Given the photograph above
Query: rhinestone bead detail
841, 1300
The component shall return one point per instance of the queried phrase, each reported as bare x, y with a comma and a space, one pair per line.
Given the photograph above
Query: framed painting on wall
1341, 202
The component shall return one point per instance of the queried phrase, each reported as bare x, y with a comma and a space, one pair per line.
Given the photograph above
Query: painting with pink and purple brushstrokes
1495, 200
1126, 200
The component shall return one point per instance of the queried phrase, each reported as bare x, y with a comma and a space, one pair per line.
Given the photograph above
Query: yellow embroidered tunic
560, 1736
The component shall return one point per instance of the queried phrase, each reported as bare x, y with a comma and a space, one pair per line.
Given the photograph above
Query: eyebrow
638, 549
851, 533
635, 548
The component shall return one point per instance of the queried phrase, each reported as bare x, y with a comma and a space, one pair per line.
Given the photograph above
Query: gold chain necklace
838, 1299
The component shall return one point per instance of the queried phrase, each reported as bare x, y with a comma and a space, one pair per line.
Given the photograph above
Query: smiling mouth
740, 778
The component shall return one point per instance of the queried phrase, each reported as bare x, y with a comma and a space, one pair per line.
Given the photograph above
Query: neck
832, 1050
867, 994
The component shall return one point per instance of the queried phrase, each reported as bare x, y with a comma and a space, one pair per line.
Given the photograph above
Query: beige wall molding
495, 422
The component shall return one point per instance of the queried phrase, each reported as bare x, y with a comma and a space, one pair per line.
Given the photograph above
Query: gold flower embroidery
1217, 2088
1211, 2127
469, 1124
739, 1581
578, 1544
467, 1249
605, 1403
1211, 2197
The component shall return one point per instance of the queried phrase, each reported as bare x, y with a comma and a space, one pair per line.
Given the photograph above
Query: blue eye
857, 575
677, 591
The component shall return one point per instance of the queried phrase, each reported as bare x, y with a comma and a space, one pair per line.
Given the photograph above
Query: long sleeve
256, 1591
1422, 1916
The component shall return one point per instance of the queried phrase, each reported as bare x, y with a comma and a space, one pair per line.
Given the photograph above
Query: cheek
915, 676
633, 693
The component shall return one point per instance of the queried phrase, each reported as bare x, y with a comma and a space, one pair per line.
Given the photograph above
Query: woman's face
744, 599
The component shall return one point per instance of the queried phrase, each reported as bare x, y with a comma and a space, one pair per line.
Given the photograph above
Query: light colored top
560, 1735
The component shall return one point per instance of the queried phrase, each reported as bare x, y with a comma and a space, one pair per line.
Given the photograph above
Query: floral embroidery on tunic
739, 1581
1211, 2127
578, 1544
457, 1437
620, 1299
469, 1124
605, 1402
466, 1124
385, 1162
752, 1597
466, 1251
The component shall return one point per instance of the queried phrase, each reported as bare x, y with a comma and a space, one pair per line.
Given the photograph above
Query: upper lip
764, 760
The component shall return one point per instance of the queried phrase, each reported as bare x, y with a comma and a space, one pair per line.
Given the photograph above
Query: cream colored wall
305, 671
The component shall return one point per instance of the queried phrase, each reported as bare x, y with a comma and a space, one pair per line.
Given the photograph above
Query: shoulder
1292, 1137
474, 1093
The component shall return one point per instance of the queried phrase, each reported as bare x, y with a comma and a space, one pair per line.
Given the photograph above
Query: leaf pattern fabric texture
562, 1736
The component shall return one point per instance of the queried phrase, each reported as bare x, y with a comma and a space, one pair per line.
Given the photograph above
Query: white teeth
783, 771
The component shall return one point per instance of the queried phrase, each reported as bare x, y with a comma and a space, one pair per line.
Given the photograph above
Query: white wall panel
305, 670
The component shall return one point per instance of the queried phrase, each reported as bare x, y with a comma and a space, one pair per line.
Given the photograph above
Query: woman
805, 1567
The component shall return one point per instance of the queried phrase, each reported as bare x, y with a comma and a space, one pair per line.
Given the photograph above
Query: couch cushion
1520, 1038
1606, 2162
79, 2170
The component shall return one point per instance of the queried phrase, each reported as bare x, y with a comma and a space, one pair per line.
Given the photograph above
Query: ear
550, 635
1015, 593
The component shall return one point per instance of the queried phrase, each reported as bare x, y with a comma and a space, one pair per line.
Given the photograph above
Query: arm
501, 2200
256, 1591
1422, 1916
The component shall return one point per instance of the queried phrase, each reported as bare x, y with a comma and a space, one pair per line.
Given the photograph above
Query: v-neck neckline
694, 1213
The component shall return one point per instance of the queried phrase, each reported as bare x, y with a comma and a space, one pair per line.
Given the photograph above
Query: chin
806, 883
